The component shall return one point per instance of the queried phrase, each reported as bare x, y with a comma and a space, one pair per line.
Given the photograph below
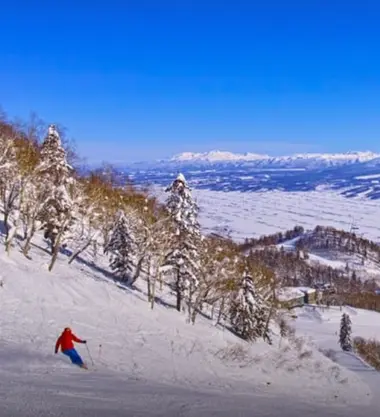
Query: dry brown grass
369, 350
364, 300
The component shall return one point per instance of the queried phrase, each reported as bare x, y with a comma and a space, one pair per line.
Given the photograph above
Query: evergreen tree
345, 333
122, 248
52, 195
249, 311
57, 176
53, 163
182, 207
183, 260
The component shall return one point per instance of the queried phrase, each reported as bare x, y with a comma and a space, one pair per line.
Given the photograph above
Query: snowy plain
245, 214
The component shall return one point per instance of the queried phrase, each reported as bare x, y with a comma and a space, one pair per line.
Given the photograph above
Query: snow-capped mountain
217, 156
302, 160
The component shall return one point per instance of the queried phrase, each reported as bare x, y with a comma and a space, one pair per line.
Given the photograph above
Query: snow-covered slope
305, 160
321, 324
129, 341
321, 327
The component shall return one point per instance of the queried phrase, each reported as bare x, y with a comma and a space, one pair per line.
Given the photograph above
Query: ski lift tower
353, 226
352, 230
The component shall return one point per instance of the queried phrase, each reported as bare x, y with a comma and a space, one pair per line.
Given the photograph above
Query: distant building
290, 297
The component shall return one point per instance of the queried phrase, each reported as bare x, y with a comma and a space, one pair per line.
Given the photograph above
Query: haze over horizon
143, 82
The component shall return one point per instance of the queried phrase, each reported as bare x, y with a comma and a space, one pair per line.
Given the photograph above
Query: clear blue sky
139, 80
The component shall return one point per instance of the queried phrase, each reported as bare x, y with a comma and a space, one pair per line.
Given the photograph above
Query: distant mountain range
351, 173
305, 160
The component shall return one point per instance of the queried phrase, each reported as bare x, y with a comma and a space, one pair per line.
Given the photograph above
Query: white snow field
244, 214
147, 362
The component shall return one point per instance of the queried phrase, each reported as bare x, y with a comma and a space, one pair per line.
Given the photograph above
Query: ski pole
89, 354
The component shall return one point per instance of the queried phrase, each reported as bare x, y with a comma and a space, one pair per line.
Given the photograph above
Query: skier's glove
84, 341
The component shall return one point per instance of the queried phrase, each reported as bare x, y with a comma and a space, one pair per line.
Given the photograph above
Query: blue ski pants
74, 356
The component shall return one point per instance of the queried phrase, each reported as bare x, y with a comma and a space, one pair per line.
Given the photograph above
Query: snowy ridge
302, 159
217, 156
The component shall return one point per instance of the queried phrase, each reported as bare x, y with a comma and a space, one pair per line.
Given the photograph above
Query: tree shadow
3, 228
107, 274
231, 330
46, 250
160, 301
203, 314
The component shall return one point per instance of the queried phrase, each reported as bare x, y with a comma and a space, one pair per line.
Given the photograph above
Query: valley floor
244, 214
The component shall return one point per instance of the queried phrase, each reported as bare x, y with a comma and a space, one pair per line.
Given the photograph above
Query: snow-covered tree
122, 247
345, 333
156, 244
61, 211
216, 278
52, 195
53, 162
183, 259
248, 310
30, 210
16, 175
57, 175
9, 178
89, 217
182, 207
153, 238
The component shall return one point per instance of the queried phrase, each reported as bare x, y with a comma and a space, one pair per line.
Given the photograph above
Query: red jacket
65, 341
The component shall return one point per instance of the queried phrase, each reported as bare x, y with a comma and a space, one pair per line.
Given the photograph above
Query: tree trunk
189, 303
194, 315
138, 270
153, 292
149, 288
271, 310
11, 234
54, 257
28, 241
221, 310
6, 217
55, 248
178, 290
148, 281
212, 311
197, 307
105, 238
25, 230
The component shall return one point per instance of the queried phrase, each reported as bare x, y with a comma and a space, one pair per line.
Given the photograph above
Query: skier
65, 341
